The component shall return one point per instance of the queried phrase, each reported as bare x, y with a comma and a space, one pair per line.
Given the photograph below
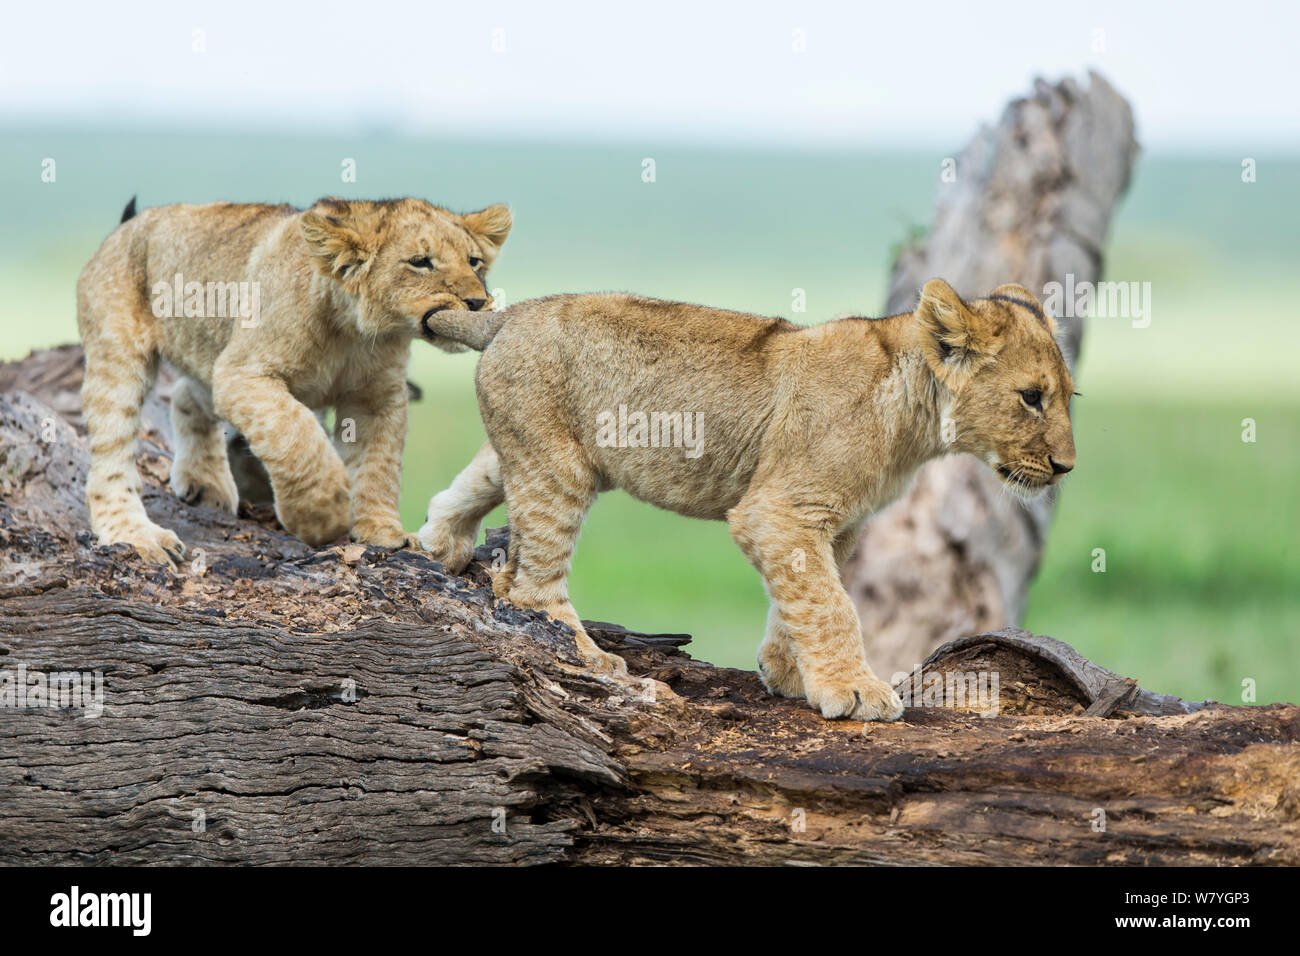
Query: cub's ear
340, 245
955, 340
490, 227
1014, 291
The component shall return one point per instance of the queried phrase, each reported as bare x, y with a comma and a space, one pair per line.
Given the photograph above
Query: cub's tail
473, 329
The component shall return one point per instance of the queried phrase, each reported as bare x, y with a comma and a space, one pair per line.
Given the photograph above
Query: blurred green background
1202, 583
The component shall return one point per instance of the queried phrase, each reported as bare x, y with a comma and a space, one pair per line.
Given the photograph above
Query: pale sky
882, 75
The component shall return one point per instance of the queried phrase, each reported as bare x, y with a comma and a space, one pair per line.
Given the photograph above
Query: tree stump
1031, 203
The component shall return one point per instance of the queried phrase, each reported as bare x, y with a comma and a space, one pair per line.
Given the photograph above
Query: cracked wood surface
276, 704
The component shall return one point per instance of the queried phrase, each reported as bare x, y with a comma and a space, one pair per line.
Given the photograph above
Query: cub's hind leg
547, 498
454, 515
121, 365
201, 469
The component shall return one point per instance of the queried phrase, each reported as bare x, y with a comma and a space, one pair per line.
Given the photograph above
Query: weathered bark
1031, 203
272, 703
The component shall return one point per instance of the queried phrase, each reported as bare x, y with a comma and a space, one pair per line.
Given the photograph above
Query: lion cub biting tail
799, 435
269, 312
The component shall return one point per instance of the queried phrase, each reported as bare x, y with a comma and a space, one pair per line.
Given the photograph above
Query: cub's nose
1060, 469
476, 305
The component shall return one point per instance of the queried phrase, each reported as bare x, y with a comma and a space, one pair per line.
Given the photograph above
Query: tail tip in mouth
427, 332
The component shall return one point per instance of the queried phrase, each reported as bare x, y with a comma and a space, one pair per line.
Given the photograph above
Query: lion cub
270, 312
793, 435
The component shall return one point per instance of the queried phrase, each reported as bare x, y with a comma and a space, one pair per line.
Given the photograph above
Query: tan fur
340, 302
807, 432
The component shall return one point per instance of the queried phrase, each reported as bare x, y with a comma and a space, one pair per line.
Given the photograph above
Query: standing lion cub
270, 312
793, 435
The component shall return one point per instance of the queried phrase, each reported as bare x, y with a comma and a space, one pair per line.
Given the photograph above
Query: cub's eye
1033, 398
421, 262
475, 262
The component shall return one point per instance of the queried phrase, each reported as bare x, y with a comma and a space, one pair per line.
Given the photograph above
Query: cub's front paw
857, 696
601, 661
384, 536
454, 550
778, 671
319, 513
152, 542
207, 484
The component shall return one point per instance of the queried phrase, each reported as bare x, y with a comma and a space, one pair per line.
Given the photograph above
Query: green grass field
1202, 583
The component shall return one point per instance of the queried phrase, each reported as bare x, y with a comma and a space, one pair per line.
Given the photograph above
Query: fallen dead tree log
271, 703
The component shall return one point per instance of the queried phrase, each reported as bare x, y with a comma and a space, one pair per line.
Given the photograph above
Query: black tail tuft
129, 211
